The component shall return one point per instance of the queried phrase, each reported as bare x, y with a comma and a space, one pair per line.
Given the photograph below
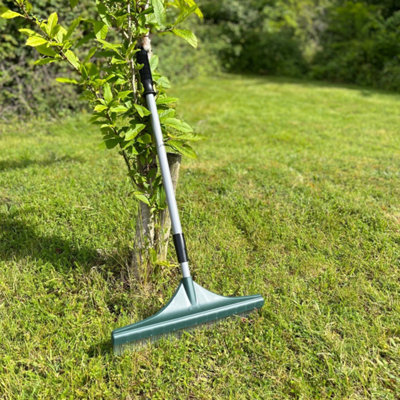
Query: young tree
101, 53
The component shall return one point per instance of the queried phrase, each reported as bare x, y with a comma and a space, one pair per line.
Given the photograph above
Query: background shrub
337, 40
25, 89
359, 46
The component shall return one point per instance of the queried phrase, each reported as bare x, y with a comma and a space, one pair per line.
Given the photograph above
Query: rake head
190, 306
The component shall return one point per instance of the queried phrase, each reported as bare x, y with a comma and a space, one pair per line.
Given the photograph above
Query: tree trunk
152, 231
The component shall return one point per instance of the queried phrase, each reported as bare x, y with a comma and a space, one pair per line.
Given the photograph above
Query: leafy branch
108, 76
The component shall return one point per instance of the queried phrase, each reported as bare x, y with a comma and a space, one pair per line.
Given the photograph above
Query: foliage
107, 75
275, 53
296, 197
338, 40
273, 37
346, 41
24, 87
359, 45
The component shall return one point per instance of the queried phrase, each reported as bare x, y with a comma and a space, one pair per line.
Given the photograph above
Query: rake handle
149, 93
145, 72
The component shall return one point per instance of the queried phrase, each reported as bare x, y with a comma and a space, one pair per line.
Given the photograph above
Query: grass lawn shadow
20, 240
101, 348
6, 165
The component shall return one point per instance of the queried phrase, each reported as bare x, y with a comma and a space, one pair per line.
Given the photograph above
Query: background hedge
336, 40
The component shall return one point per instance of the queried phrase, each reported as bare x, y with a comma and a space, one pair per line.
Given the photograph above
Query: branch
131, 60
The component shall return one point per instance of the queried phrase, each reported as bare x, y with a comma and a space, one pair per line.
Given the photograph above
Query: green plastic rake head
191, 305
180, 314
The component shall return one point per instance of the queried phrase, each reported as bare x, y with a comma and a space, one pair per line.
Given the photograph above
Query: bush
256, 38
275, 53
359, 46
335, 40
27, 90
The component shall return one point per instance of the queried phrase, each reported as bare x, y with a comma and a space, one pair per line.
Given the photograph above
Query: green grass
295, 195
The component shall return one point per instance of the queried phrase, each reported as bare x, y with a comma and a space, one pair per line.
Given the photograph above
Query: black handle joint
180, 247
145, 72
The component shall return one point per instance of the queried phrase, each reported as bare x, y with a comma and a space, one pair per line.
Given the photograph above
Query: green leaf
159, 11
103, 12
107, 93
91, 53
131, 50
120, 109
105, 128
121, 81
120, 20
100, 108
8, 14
161, 197
115, 60
184, 14
187, 136
67, 80
133, 132
142, 111
100, 29
164, 82
187, 35
141, 197
72, 27
110, 46
129, 147
178, 125
192, 3
59, 34
111, 143
72, 58
153, 61
165, 114
184, 149
46, 50
122, 95
166, 100
145, 139
99, 119
26, 31
28, 6
73, 3
52, 23
43, 61
35, 41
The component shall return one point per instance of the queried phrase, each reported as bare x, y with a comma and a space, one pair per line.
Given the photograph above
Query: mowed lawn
295, 195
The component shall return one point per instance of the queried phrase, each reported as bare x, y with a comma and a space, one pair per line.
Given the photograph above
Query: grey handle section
164, 166
168, 187
179, 239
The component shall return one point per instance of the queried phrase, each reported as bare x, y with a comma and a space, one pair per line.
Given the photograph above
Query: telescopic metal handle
179, 239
